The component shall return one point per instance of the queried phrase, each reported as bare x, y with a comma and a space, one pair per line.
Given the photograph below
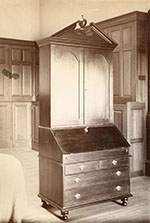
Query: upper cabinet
129, 57
17, 70
76, 77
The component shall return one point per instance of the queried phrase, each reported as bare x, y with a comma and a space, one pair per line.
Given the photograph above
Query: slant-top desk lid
86, 139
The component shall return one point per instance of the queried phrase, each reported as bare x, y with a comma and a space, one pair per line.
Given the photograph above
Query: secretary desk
83, 157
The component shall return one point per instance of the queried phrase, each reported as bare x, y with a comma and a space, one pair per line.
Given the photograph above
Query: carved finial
82, 22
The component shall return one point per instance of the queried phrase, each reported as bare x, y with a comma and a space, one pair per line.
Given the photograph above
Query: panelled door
80, 86
97, 87
16, 95
66, 86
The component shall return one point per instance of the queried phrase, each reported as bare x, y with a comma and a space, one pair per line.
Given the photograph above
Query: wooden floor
137, 211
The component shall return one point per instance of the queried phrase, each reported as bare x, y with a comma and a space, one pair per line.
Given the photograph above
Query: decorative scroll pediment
79, 33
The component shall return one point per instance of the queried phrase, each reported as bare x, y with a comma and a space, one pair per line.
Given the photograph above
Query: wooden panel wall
142, 91
130, 119
5, 128
22, 64
130, 81
22, 124
124, 89
16, 83
4, 81
16, 94
35, 125
137, 135
116, 74
120, 118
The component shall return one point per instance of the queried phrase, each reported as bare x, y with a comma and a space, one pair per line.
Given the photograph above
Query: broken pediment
80, 34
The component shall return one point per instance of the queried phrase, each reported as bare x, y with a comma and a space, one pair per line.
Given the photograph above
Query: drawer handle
76, 180
118, 173
114, 162
118, 188
77, 196
82, 167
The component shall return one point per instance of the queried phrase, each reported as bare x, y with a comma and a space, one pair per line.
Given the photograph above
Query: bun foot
124, 201
64, 215
44, 204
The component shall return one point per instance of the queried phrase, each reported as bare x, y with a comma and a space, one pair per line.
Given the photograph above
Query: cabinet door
66, 86
97, 87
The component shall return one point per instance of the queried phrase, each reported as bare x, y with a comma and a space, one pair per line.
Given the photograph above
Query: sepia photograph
75, 111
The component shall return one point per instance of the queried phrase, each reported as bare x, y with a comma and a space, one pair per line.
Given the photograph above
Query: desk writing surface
76, 140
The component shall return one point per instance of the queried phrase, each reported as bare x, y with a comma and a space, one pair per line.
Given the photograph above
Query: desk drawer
95, 177
81, 167
95, 193
90, 156
113, 163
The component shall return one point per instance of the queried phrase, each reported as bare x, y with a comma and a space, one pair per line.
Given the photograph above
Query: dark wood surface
81, 176
98, 177
147, 164
51, 180
105, 164
44, 86
97, 138
48, 145
99, 192
57, 145
95, 155
81, 167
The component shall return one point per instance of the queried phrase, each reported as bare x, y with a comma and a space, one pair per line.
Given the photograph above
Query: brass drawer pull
114, 162
82, 167
77, 196
118, 173
76, 180
118, 188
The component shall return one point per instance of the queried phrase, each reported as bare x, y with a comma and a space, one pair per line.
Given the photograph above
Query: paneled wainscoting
137, 211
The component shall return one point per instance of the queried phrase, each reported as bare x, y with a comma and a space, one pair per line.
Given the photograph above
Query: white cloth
13, 202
